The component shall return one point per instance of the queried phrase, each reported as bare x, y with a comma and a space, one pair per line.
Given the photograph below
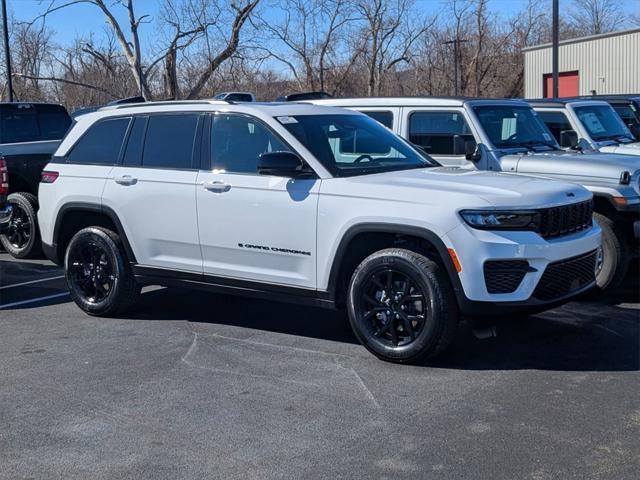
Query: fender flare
93, 208
399, 229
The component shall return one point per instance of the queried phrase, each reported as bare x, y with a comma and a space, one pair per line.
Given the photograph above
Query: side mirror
463, 145
568, 138
635, 130
279, 164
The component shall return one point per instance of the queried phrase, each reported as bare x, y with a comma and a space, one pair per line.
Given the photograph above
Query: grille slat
566, 276
564, 220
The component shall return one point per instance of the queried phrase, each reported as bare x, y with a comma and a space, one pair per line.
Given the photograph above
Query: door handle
126, 180
217, 186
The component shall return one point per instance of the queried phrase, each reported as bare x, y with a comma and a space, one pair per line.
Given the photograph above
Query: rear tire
22, 239
401, 306
615, 255
98, 273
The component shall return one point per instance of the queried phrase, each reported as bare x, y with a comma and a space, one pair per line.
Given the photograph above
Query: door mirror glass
280, 164
568, 138
635, 130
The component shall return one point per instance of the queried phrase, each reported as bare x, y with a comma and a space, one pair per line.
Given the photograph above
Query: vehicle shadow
579, 336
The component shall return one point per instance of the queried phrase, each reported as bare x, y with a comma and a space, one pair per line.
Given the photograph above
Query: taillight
4, 177
48, 176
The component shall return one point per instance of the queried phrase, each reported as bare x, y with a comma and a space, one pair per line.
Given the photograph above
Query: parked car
587, 125
507, 136
307, 204
29, 134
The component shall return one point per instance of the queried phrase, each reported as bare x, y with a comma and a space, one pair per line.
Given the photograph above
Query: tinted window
323, 135
385, 118
434, 131
514, 126
169, 141
101, 143
54, 121
18, 123
133, 153
556, 122
602, 123
238, 141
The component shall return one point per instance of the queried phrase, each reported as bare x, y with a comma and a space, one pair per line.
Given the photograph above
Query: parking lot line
33, 300
31, 281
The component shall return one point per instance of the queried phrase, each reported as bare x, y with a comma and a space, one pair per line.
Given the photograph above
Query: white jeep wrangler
310, 204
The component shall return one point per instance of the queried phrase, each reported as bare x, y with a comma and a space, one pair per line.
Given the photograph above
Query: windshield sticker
592, 122
286, 120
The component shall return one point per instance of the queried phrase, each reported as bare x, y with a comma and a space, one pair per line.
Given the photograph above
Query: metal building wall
608, 63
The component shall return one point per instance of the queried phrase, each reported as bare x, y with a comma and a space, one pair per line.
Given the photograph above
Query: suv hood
624, 148
459, 188
570, 165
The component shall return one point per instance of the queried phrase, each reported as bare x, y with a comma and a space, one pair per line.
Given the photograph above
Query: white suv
311, 204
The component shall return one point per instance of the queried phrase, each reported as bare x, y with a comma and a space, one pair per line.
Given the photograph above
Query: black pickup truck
29, 135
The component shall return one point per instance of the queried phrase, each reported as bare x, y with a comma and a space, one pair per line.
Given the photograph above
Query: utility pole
456, 43
555, 47
7, 53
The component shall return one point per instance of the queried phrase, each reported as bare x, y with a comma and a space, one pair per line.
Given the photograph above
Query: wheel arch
350, 253
74, 216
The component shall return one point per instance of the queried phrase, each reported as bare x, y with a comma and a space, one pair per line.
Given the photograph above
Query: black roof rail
122, 101
294, 97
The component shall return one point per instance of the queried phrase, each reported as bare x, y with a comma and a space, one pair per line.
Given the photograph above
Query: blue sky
84, 19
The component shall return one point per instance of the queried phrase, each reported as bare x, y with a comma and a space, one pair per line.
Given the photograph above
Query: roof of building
583, 39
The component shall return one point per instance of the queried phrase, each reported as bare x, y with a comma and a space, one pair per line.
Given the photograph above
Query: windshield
602, 123
349, 145
514, 126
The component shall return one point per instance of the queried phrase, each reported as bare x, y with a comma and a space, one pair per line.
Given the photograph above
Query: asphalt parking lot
196, 385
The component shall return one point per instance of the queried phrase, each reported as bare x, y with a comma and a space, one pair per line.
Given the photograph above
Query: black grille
504, 276
562, 278
564, 220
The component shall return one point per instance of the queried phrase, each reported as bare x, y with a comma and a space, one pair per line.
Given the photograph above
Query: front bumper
476, 247
5, 217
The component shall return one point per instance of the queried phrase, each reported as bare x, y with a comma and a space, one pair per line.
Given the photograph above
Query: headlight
502, 220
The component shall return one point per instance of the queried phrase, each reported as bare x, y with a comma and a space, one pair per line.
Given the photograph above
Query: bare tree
591, 17
388, 36
131, 47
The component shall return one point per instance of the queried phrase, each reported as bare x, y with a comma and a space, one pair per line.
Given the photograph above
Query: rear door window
434, 131
101, 144
169, 141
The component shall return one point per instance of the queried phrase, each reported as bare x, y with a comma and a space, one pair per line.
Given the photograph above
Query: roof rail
166, 102
294, 97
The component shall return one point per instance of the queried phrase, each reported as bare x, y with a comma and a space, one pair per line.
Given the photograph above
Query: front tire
22, 239
401, 306
98, 273
615, 255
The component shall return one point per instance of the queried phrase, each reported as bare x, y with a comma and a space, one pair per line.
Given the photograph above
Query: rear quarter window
101, 143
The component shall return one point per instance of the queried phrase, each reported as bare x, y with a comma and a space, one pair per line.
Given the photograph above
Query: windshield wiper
540, 142
614, 138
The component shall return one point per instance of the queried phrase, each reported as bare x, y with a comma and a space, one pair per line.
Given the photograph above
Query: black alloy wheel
19, 230
91, 272
99, 274
22, 238
393, 305
401, 305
